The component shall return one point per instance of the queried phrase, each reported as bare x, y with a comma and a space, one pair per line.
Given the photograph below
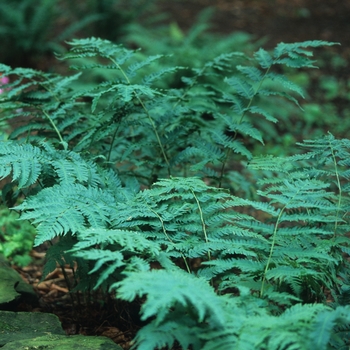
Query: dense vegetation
146, 172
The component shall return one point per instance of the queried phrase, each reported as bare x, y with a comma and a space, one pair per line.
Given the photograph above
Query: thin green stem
202, 220
339, 189
274, 235
195, 79
112, 143
64, 144
169, 239
148, 115
228, 151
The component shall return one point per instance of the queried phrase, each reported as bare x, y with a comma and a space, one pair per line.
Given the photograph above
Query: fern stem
339, 189
169, 239
156, 133
271, 250
75, 284
202, 220
112, 143
228, 151
147, 113
274, 235
194, 81
64, 144
67, 283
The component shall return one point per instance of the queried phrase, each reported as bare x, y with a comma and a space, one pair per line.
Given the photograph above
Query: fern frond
176, 288
155, 336
241, 86
286, 83
298, 53
55, 211
127, 240
27, 163
229, 142
324, 324
114, 259
246, 128
264, 58
257, 110
252, 73
92, 47
134, 67
24, 162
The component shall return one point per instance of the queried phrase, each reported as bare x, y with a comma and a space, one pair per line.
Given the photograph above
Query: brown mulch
85, 314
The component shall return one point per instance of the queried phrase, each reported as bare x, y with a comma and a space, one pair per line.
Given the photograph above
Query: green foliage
22, 25
328, 88
188, 311
150, 187
31, 30
112, 17
16, 237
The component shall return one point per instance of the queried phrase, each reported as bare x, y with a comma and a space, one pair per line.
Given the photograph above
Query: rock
34, 330
60, 342
12, 286
15, 326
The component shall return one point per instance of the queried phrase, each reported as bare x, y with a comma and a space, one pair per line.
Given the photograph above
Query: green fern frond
252, 73
153, 336
266, 92
57, 255
114, 259
298, 53
257, 110
243, 88
92, 47
176, 287
127, 240
264, 58
286, 83
228, 142
246, 128
28, 163
325, 322
55, 211
24, 162
155, 76
134, 67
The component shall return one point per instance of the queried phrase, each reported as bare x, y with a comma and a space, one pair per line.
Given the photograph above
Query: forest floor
276, 20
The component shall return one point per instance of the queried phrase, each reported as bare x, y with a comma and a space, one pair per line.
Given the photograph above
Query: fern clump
209, 321
151, 191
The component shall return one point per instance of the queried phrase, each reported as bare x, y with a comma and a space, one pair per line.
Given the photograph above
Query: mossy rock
15, 326
61, 342
34, 330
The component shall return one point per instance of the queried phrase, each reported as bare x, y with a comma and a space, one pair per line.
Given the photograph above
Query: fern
27, 164
212, 322
130, 173
302, 195
73, 204
141, 106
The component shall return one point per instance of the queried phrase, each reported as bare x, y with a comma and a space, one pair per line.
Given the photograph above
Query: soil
88, 314
277, 20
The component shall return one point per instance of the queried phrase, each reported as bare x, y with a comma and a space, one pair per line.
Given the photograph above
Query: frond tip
165, 289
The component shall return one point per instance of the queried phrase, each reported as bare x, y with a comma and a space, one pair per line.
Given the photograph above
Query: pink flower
3, 80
